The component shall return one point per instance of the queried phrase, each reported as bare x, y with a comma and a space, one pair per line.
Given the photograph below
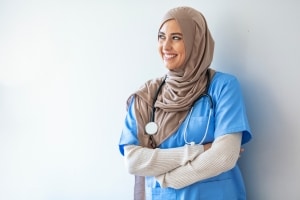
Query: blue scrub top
229, 116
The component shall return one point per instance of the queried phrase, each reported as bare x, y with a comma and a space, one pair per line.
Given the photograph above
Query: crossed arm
182, 166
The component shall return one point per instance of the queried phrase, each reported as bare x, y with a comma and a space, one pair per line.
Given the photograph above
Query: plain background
67, 68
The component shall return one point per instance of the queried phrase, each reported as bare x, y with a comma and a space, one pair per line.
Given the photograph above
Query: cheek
182, 53
179, 47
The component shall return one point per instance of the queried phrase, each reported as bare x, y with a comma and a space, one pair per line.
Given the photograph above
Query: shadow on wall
242, 51
257, 162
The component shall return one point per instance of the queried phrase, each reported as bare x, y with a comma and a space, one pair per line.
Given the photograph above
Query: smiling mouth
169, 56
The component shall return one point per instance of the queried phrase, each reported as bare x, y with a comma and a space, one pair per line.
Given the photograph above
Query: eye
161, 36
177, 37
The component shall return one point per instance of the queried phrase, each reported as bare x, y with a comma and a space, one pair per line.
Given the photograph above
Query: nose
167, 44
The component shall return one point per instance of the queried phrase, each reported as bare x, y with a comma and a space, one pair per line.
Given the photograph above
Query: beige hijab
182, 86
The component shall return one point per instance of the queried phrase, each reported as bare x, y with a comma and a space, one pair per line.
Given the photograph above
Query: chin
172, 68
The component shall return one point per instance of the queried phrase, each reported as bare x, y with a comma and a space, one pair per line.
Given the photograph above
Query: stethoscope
151, 127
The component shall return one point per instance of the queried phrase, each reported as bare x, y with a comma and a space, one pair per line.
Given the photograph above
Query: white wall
67, 67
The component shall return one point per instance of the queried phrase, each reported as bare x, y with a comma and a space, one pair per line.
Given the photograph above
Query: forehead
170, 26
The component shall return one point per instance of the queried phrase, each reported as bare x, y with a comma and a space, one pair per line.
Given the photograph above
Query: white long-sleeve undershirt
221, 157
182, 166
144, 161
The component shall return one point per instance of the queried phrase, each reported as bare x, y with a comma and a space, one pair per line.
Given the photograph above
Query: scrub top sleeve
230, 112
129, 132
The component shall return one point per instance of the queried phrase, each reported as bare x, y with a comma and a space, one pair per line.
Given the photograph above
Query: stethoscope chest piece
151, 128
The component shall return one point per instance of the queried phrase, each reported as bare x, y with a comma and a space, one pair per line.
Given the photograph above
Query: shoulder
224, 83
222, 77
150, 85
145, 92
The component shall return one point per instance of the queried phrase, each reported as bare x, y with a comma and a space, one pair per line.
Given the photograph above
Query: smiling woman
67, 68
193, 151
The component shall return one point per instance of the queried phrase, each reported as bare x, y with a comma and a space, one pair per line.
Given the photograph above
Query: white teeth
168, 56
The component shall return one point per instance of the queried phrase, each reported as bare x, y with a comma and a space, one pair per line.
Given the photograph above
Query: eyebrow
160, 32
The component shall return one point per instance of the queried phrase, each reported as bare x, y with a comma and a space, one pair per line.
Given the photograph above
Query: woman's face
170, 45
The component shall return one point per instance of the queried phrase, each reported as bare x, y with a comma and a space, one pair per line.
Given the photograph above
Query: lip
169, 56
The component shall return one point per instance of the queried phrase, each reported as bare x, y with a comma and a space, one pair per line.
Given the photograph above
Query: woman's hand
207, 146
241, 151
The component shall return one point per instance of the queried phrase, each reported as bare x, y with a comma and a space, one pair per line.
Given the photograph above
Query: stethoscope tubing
207, 124
155, 98
151, 127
